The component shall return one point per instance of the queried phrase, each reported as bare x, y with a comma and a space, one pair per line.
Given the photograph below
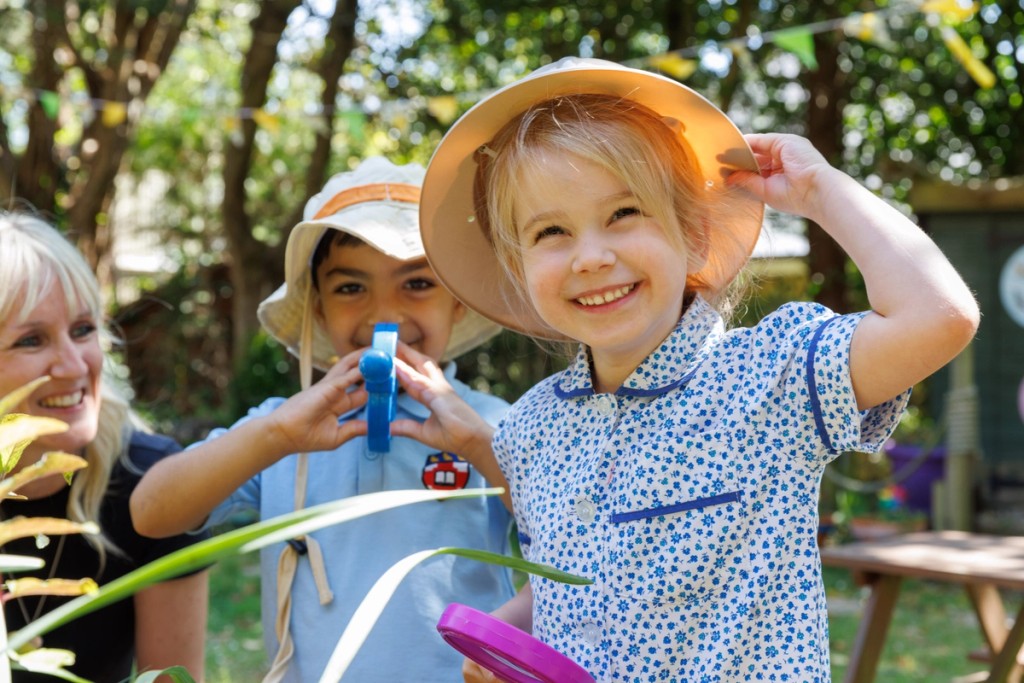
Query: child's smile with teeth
606, 297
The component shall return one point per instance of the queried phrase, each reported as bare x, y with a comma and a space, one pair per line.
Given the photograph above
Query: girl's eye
419, 284
625, 212
549, 231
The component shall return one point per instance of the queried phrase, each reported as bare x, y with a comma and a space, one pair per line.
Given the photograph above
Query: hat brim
457, 247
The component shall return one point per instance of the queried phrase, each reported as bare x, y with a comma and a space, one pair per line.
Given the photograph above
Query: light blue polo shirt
404, 645
690, 497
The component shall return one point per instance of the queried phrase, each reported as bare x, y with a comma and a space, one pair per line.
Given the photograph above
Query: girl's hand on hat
793, 176
308, 421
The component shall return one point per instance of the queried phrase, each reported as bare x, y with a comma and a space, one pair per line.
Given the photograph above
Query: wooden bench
982, 564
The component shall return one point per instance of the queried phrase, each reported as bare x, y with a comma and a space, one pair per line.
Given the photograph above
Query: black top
103, 641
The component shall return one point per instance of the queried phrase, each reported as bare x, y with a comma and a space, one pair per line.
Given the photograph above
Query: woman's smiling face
597, 266
64, 344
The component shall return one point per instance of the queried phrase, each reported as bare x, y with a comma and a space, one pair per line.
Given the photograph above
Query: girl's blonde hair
36, 257
629, 140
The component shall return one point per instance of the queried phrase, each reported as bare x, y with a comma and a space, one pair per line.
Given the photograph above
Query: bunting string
942, 15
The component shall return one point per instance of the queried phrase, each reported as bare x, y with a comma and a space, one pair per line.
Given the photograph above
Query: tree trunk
136, 46
250, 259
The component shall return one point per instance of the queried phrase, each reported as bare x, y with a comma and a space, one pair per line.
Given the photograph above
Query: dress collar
668, 367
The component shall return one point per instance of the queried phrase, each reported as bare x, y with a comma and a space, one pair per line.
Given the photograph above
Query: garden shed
981, 229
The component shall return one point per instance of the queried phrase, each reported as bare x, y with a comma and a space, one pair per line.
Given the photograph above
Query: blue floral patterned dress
690, 497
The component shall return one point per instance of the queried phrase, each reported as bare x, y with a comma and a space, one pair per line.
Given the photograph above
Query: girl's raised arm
923, 314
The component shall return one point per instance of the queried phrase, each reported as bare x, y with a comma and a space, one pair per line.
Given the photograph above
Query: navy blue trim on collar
627, 391
658, 391
812, 385
575, 393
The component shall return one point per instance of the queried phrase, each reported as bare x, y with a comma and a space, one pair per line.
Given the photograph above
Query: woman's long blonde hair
36, 256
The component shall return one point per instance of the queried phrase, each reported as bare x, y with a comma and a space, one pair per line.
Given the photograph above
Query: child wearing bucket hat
675, 462
356, 260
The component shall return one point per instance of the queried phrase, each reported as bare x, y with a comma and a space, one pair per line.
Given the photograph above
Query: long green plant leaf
178, 674
369, 610
242, 540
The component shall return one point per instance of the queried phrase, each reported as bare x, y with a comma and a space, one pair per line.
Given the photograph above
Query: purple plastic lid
506, 651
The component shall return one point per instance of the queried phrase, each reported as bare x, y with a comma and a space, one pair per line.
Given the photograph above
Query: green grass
932, 632
234, 643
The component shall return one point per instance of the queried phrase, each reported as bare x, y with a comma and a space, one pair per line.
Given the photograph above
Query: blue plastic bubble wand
378, 368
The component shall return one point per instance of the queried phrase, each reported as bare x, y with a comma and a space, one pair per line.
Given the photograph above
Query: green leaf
243, 540
19, 588
23, 527
20, 563
54, 462
18, 431
12, 399
50, 661
369, 610
178, 674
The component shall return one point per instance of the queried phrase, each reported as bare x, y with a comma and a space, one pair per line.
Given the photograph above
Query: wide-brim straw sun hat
453, 236
378, 203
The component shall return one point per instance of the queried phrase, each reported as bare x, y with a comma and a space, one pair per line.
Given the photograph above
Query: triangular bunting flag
962, 51
673, 65
800, 42
444, 108
50, 102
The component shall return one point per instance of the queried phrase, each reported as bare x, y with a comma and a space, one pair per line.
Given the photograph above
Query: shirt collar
670, 366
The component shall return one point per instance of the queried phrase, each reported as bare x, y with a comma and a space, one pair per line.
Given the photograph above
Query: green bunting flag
800, 42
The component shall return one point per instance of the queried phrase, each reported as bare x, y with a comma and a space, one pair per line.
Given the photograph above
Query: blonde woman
51, 323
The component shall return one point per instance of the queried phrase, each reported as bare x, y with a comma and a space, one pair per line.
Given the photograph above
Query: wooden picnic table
982, 564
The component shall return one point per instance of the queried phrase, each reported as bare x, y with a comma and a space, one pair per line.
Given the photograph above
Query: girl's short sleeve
821, 359
841, 426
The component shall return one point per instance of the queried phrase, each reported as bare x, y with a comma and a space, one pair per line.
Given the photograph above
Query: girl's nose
592, 253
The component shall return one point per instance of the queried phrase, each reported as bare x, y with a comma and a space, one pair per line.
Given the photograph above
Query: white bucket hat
378, 203
462, 255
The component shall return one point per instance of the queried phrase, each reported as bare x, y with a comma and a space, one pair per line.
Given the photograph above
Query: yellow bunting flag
868, 27
953, 11
114, 114
673, 65
981, 74
800, 42
444, 108
268, 122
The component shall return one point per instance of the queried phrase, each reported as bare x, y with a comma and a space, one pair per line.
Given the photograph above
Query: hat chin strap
288, 562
